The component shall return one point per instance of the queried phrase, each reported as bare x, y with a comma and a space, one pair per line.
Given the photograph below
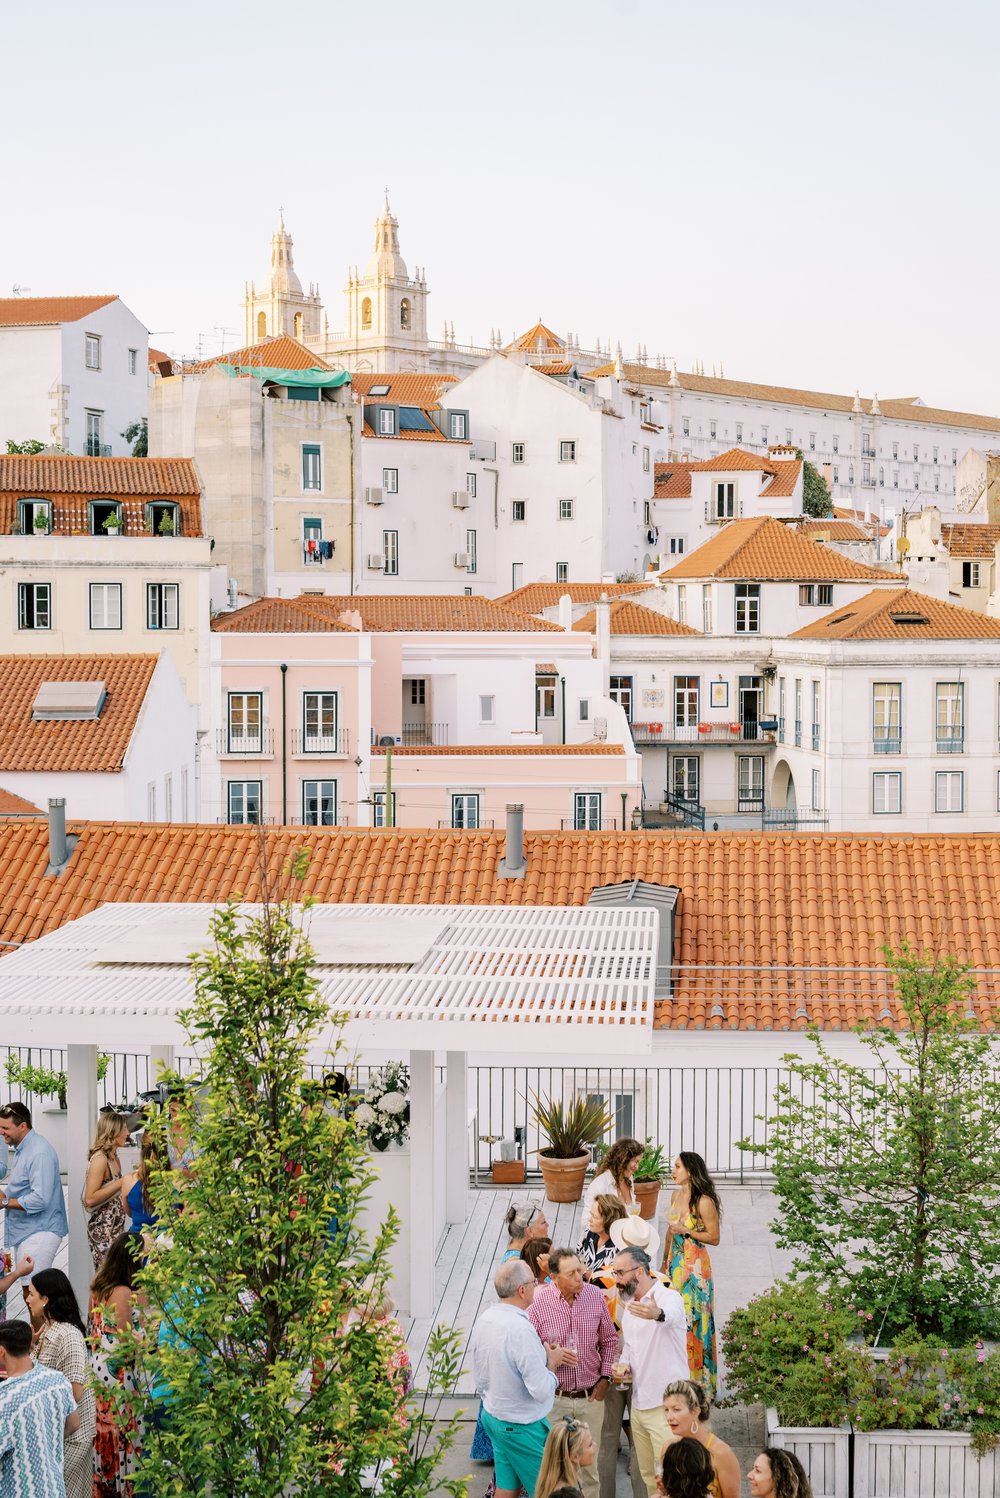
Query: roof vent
73, 701
842, 618
660, 897
909, 619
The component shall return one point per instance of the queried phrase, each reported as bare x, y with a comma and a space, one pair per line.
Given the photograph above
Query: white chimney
604, 639
512, 865
565, 611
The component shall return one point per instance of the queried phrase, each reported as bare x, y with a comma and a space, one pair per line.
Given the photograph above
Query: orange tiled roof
766, 550
860, 517
159, 363
881, 616
501, 750
528, 343
834, 530
563, 367
630, 618
966, 539
46, 311
533, 597
421, 612
789, 903
97, 744
17, 806
71, 482
279, 616
280, 352
421, 390
434, 435
672, 480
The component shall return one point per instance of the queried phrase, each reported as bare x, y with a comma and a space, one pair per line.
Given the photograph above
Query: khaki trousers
589, 1412
650, 1432
615, 1411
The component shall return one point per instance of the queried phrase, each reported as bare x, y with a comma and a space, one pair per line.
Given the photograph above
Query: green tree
29, 448
816, 500
279, 1379
888, 1177
137, 432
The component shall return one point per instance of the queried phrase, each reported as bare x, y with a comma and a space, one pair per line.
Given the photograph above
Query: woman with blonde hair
596, 1248
569, 1447
687, 1409
102, 1188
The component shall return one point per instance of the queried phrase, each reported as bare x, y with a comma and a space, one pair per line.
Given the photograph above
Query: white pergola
556, 980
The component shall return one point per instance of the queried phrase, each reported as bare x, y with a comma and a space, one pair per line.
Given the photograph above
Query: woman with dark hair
59, 1342
688, 1411
687, 1470
135, 1186
778, 1474
535, 1254
114, 1306
614, 1179
596, 1249
693, 1224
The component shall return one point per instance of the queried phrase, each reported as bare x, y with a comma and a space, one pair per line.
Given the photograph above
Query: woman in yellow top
693, 1224
687, 1409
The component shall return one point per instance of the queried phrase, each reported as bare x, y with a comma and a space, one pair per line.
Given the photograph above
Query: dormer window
387, 421
725, 501
34, 516
458, 425
105, 517
163, 518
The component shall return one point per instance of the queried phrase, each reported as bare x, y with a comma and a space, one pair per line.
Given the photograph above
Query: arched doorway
783, 787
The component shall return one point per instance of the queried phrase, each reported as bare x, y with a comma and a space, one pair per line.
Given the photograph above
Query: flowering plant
384, 1111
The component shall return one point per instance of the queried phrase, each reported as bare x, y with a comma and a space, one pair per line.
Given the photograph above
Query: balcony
749, 732
951, 739
798, 733
484, 825
589, 824
336, 745
330, 824
793, 819
230, 744
814, 739
92, 448
413, 736
884, 742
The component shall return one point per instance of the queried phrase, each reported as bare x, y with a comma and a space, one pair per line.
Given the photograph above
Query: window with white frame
949, 790
470, 485
545, 697
162, 609
312, 540
168, 798
788, 436
105, 605
244, 802
763, 436
518, 509
645, 460
739, 431
970, 574
92, 351
949, 716
712, 430
379, 809
816, 595
470, 550
686, 701
184, 793
95, 434
812, 442
562, 572
798, 712
565, 509
887, 705
583, 710
620, 691
246, 711
835, 443
464, 809
587, 811
686, 426
567, 452
458, 425
319, 722
319, 803
706, 608
815, 714
390, 553
34, 516
517, 452
816, 803
387, 421
312, 475
34, 606
725, 501
151, 801
887, 793
685, 776
747, 600
487, 710
750, 782
682, 605
675, 546
390, 480
781, 710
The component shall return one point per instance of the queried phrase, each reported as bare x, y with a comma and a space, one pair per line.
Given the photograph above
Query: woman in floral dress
113, 1305
693, 1224
102, 1189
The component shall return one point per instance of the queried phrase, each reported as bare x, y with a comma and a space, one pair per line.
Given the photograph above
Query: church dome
386, 260
282, 277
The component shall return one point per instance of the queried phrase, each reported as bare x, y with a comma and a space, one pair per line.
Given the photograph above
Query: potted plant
571, 1127
166, 525
704, 728
648, 1179
40, 524
384, 1110
113, 524
42, 1082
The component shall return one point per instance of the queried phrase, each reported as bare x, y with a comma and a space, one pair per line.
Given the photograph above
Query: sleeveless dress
140, 1217
714, 1487
119, 1437
108, 1220
690, 1271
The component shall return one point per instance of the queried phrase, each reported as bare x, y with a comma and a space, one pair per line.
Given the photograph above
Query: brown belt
577, 1393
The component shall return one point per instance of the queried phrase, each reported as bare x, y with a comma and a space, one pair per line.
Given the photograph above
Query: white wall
30, 371
121, 396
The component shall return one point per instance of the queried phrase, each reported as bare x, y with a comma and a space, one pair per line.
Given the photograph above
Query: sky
792, 193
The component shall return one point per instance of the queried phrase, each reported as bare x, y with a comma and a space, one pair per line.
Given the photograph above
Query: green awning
312, 379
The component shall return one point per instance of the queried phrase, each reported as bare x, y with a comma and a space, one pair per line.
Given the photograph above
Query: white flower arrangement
385, 1112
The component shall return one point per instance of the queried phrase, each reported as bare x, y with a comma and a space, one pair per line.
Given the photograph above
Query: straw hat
635, 1232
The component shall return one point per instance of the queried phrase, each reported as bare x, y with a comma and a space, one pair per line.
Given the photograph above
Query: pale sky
802, 194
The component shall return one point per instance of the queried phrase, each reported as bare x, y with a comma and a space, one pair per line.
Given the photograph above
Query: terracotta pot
563, 1178
647, 1194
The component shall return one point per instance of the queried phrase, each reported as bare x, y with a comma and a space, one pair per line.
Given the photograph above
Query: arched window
366, 312
261, 324
404, 313
298, 325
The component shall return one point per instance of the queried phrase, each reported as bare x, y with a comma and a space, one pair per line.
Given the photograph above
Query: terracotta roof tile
45, 311
630, 618
966, 539
434, 435
883, 615
421, 390
159, 363
421, 612
280, 352
672, 480
501, 750
279, 616
17, 806
563, 367
97, 744
72, 482
533, 597
766, 911
535, 338
833, 530
766, 550
862, 518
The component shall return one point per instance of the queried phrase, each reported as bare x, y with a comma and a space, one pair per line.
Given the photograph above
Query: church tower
281, 306
386, 308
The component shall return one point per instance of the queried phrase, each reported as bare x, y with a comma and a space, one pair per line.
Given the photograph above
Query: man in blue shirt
37, 1410
514, 1372
32, 1196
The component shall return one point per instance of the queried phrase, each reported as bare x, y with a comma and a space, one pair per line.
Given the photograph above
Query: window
312, 539
895, 478
763, 436
470, 485
418, 691
163, 517
261, 325
487, 709
366, 313
970, 574
517, 452
675, 546
954, 456
815, 791
812, 442
34, 606
887, 697
706, 608
34, 516
565, 509
816, 595
319, 722
105, 517
319, 803
470, 550
935, 455
781, 710
105, 605
887, 793
133, 364
788, 436
297, 324
682, 606
583, 712
245, 723
850, 473
916, 453
518, 509
168, 798
835, 443
386, 421
92, 351
390, 480
881, 476
464, 810
866, 473
686, 426
562, 572
545, 698
725, 501
949, 790
390, 553
747, 608
750, 782
685, 776
686, 701
895, 451
458, 425
645, 460
815, 714
184, 793
162, 605
244, 802
567, 452
587, 811
95, 434
712, 428
836, 475
404, 313
311, 470
950, 716
866, 445
620, 691
798, 713
378, 810
151, 801
739, 431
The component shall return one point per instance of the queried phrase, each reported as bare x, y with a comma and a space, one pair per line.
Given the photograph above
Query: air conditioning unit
376, 561
462, 559
460, 499
374, 497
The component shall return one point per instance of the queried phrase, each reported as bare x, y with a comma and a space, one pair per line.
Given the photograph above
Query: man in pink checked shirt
575, 1316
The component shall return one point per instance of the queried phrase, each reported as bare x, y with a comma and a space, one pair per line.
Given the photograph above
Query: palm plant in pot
572, 1127
648, 1179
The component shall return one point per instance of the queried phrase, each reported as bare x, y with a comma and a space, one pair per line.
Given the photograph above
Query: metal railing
258, 745
413, 736
815, 736
746, 732
484, 824
93, 448
691, 813
336, 745
887, 743
789, 819
588, 824
950, 740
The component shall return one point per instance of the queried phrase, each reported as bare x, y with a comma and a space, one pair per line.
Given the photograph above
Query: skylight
57, 701
842, 618
379, 390
909, 619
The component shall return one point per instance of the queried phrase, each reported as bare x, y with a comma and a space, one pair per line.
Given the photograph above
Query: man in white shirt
514, 1372
654, 1345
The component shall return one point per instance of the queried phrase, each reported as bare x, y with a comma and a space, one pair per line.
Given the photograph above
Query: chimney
565, 611
512, 865
61, 845
604, 639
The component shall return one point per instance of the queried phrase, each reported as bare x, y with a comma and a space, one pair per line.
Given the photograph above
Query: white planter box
922, 1464
825, 1454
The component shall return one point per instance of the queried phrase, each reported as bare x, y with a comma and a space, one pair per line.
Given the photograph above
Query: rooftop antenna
223, 333
16, 290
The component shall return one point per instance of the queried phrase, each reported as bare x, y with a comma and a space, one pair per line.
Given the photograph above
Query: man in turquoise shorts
515, 1375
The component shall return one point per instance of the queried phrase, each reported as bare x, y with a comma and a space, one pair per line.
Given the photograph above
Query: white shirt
509, 1366
656, 1351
